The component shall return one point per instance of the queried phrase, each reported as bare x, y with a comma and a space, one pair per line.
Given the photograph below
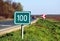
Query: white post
22, 31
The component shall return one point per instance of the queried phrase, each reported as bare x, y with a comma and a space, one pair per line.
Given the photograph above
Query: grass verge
42, 30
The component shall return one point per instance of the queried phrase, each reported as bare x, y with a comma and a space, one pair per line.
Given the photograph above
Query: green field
42, 30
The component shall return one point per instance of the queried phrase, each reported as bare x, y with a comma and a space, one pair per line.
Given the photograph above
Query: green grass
1, 20
42, 30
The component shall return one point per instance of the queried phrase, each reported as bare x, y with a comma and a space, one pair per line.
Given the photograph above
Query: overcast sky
38, 7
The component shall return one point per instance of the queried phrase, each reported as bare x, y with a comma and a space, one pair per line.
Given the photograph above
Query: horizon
41, 6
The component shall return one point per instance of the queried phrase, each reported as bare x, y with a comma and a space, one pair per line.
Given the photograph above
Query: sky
38, 7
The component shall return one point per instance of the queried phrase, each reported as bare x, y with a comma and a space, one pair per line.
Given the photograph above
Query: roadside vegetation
42, 30
7, 8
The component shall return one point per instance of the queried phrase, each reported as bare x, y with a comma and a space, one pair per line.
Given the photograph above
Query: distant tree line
7, 8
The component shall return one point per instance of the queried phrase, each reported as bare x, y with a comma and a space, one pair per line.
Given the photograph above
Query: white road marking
9, 28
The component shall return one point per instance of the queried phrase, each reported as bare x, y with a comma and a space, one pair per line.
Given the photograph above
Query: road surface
7, 24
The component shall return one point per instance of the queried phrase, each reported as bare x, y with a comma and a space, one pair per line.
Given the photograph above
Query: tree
19, 7
7, 8
1, 7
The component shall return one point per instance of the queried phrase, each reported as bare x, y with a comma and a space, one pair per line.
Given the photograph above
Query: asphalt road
7, 24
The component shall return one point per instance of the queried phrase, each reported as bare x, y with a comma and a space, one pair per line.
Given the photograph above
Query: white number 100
22, 18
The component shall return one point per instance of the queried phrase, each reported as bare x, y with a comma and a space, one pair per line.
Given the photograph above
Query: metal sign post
22, 18
22, 31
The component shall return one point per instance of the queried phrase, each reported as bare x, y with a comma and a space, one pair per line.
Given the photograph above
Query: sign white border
22, 12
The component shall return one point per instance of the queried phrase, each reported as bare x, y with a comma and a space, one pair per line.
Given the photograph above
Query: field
42, 30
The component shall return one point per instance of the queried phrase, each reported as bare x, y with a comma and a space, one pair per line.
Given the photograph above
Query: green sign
22, 17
